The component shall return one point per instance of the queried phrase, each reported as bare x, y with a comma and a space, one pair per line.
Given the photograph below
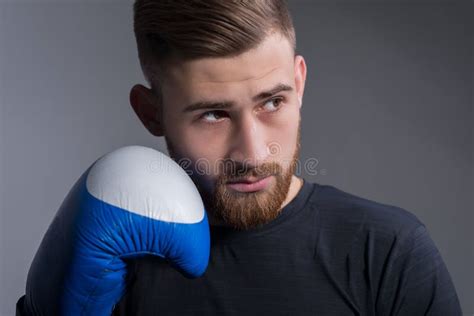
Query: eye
273, 105
211, 116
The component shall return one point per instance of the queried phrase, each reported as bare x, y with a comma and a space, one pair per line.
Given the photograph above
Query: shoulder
390, 246
347, 214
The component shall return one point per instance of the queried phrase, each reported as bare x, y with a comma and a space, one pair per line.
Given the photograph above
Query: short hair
191, 29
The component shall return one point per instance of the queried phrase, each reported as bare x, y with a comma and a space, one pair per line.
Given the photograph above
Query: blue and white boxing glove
132, 202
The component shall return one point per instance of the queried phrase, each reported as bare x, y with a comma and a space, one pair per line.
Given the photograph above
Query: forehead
273, 57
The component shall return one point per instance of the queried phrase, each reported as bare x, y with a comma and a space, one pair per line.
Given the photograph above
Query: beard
245, 210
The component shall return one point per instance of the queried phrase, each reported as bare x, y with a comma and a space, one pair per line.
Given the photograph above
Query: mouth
249, 184
247, 180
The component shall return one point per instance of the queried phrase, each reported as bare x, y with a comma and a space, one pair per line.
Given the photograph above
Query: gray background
387, 112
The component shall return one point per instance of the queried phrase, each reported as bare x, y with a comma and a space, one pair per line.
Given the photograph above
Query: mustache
234, 171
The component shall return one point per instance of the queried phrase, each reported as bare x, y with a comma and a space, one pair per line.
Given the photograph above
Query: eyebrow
219, 105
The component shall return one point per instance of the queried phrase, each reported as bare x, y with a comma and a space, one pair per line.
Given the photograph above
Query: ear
300, 77
146, 106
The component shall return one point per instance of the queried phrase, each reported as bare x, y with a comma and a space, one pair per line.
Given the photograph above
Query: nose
249, 142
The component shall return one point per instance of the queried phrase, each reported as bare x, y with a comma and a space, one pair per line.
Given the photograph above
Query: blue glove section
80, 267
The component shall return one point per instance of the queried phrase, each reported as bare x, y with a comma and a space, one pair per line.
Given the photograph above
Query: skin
257, 137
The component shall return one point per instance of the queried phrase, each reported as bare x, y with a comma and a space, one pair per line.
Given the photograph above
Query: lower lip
250, 187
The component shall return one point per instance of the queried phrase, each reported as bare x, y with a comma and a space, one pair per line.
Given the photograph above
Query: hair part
184, 30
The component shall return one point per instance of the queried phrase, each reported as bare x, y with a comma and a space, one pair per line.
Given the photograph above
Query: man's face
232, 119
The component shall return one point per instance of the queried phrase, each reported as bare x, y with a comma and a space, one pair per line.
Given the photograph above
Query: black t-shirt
327, 253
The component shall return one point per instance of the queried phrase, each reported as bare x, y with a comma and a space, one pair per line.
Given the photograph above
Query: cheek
186, 141
198, 146
202, 148
283, 138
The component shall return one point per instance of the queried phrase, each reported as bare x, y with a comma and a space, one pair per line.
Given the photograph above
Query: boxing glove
131, 202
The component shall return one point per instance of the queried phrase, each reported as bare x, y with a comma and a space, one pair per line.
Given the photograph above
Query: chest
286, 280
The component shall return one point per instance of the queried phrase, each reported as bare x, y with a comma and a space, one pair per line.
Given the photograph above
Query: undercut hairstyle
183, 30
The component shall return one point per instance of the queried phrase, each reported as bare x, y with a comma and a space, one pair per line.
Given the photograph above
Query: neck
295, 187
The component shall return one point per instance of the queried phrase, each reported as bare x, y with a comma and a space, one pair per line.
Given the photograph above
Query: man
226, 92
226, 89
